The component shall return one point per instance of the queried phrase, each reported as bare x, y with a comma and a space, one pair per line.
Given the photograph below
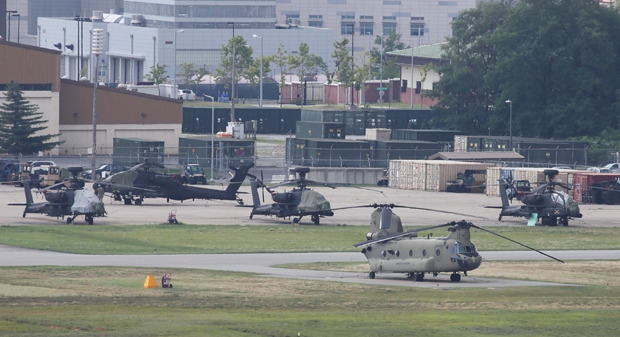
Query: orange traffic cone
150, 282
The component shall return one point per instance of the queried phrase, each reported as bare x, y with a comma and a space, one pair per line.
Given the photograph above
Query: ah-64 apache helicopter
297, 203
390, 250
544, 202
140, 182
65, 199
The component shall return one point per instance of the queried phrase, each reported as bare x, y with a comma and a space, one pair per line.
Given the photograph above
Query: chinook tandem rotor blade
399, 235
441, 211
517, 242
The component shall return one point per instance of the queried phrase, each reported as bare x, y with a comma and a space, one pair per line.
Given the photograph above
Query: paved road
263, 264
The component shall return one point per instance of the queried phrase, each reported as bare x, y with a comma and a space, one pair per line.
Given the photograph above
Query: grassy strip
60, 301
176, 239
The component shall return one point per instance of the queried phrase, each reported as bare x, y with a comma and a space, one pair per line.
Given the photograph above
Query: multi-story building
172, 32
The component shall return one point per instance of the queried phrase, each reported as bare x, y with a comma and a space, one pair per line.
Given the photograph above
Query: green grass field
108, 301
177, 239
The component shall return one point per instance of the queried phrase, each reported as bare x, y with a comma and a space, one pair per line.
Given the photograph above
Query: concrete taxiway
448, 207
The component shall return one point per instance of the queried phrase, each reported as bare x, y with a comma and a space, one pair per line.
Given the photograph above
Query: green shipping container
129, 151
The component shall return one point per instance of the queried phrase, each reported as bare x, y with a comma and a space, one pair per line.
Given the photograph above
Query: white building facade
152, 32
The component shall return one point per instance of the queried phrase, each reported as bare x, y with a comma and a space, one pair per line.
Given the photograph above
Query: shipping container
228, 151
325, 130
426, 135
402, 149
585, 179
129, 151
334, 153
378, 134
537, 152
427, 175
535, 175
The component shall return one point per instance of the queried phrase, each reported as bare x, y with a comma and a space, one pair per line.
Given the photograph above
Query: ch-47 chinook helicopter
66, 199
390, 250
551, 206
140, 182
297, 203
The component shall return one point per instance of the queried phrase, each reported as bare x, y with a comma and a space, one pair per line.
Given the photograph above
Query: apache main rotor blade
517, 242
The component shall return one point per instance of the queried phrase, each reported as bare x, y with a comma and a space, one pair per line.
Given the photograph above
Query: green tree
243, 60
344, 74
386, 44
556, 61
363, 73
157, 74
308, 65
187, 73
280, 59
465, 96
253, 74
19, 122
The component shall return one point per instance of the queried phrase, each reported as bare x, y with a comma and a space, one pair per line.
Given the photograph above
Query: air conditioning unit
137, 20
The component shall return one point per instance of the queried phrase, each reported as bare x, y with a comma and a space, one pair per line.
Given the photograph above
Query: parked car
613, 167
187, 95
598, 169
104, 171
193, 174
40, 163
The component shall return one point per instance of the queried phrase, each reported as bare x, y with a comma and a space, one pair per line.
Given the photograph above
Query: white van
187, 95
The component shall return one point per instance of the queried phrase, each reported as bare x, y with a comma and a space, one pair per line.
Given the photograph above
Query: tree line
557, 63
349, 69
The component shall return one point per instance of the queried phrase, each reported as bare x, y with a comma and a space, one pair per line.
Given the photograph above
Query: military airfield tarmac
448, 206
201, 212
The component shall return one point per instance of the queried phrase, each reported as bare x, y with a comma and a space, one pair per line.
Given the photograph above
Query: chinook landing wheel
455, 277
371, 275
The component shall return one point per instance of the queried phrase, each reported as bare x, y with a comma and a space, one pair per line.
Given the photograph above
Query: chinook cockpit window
466, 249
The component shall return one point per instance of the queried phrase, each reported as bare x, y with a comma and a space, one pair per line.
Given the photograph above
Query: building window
389, 28
417, 29
347, 28
315, 21
366, 28
292, 19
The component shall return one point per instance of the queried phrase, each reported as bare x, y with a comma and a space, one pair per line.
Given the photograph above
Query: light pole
97, 49
212, 131
8, 14
412, 88
260, 102
232, 80
411, 85
352, 106
381, 92
80, 42
175, 89
18, 21
510, 124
